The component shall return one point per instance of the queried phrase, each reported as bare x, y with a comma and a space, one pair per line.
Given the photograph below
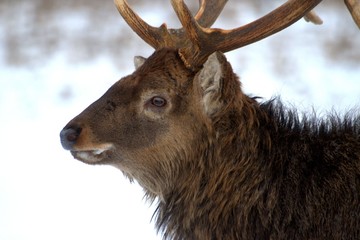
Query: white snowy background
47, 78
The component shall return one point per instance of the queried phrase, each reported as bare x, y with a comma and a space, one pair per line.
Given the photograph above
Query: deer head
155, 122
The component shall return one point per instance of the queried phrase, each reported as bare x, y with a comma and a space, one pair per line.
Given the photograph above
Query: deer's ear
211, 78
138, 61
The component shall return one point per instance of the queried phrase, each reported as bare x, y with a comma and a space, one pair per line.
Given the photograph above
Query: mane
331, 124
284, 159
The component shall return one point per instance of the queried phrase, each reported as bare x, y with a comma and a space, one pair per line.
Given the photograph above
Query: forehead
162, 72
163, 68
147, 81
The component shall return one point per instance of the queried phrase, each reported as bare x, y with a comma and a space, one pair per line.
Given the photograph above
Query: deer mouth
92, 155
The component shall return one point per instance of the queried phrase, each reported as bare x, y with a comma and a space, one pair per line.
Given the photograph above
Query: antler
163, 37
209, 12
196, 41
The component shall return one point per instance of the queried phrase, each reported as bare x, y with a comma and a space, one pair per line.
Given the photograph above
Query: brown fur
219, 164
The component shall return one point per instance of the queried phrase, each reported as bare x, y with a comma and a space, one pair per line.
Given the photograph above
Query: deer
218, 163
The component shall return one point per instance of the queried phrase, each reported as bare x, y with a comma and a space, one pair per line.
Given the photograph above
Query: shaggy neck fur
281, 179
223, 180
260, 173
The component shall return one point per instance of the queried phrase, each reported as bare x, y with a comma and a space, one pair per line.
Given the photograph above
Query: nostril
72, 134
69, 136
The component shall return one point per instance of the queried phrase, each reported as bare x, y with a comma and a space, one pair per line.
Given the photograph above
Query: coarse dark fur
293, 179
268, 175
240, 169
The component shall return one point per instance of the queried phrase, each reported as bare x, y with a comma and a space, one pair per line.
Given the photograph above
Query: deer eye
158, 101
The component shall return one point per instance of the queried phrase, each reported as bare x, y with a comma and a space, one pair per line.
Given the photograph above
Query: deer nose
69, 135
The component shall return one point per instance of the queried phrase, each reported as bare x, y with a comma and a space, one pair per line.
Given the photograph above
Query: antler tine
206, 40
209, 12
151, 35
195, 33
313, 17
275, 21
163, 37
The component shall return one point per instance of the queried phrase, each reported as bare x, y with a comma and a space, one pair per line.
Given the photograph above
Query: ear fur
211, 78
138, 61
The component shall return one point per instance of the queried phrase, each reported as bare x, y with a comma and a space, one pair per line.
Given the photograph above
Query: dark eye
158, 101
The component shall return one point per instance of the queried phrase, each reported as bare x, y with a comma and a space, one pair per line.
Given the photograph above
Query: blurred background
57, 57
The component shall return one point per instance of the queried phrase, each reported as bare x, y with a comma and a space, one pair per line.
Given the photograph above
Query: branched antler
162, 36
196, 40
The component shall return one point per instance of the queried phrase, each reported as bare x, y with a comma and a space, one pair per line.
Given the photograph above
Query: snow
46, 194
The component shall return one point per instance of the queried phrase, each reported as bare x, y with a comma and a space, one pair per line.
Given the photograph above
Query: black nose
69, 135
